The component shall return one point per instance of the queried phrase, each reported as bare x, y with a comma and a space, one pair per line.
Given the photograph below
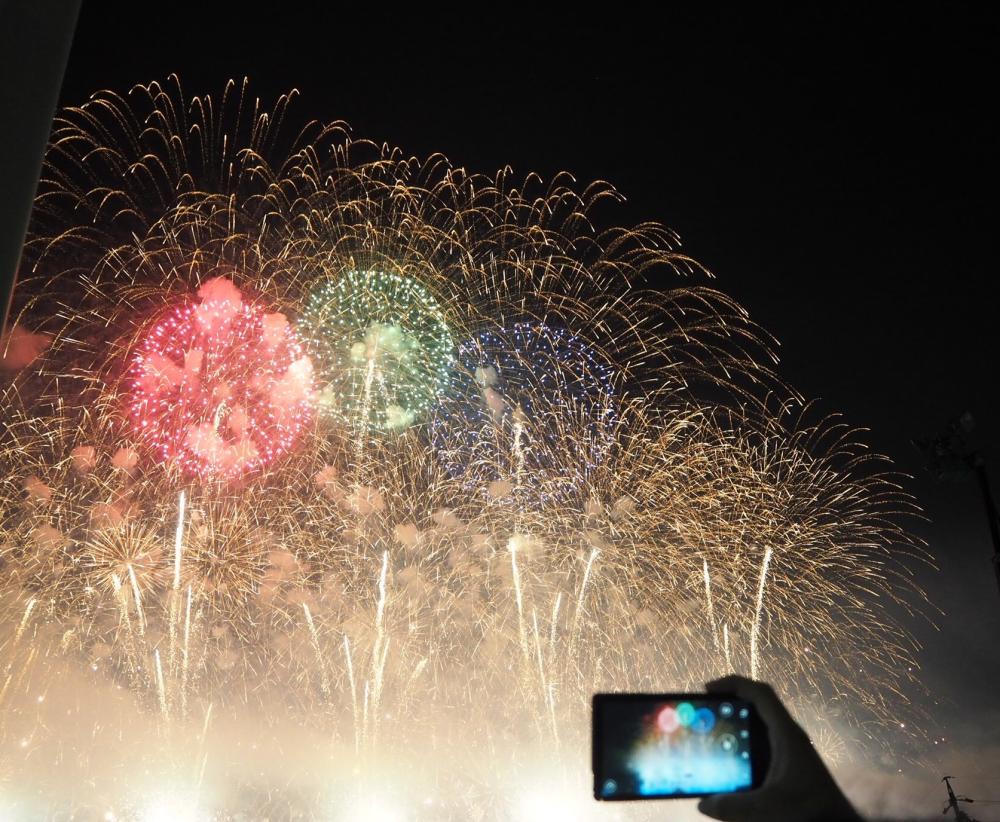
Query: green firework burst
381, 347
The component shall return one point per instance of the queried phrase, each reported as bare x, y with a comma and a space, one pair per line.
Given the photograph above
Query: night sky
836, 169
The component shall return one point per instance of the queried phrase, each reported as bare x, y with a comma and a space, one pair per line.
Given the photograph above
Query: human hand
798, 787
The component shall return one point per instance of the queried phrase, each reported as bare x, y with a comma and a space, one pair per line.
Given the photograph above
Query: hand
797, 787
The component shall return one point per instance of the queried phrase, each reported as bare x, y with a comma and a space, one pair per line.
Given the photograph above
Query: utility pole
979, 464
948, 456
953, 801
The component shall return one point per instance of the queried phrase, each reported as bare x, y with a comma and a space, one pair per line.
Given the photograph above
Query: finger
760, 694
733, 683
728, 807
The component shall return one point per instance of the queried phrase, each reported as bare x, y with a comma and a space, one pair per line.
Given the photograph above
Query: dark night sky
835, 168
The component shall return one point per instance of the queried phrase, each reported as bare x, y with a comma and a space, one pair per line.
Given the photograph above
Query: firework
384, 347
220, 387
530, 412
602, 487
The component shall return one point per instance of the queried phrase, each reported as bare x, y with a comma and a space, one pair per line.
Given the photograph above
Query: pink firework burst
220, 386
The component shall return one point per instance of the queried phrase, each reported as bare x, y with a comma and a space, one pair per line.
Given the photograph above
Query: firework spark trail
354, 693
512, 546
513, 543
137, 599
179, 541
709, 608
380, 651
161, 686
12, 650
519, 456
366, 406
186, 654
318, 646
555, 621
18, 674
200, 781
364, 713
130, 643
175, 596
6, 684
23, 624
758, 613
583, 593
583, 420
547, 687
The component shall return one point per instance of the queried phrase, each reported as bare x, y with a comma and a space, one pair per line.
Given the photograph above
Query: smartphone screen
655, 746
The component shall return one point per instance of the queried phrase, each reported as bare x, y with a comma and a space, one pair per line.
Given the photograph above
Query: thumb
726, 806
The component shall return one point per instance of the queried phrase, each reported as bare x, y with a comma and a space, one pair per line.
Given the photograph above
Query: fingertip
719, 806
761, 695
749, 689
731, 683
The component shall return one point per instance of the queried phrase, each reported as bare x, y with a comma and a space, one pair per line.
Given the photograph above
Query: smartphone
672, 746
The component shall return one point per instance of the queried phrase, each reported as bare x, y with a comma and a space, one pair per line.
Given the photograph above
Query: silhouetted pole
991, 512
953, 801
949, 457
35, 36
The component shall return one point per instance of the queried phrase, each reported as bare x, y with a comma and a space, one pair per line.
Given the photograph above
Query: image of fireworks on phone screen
649, 746
325, 467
